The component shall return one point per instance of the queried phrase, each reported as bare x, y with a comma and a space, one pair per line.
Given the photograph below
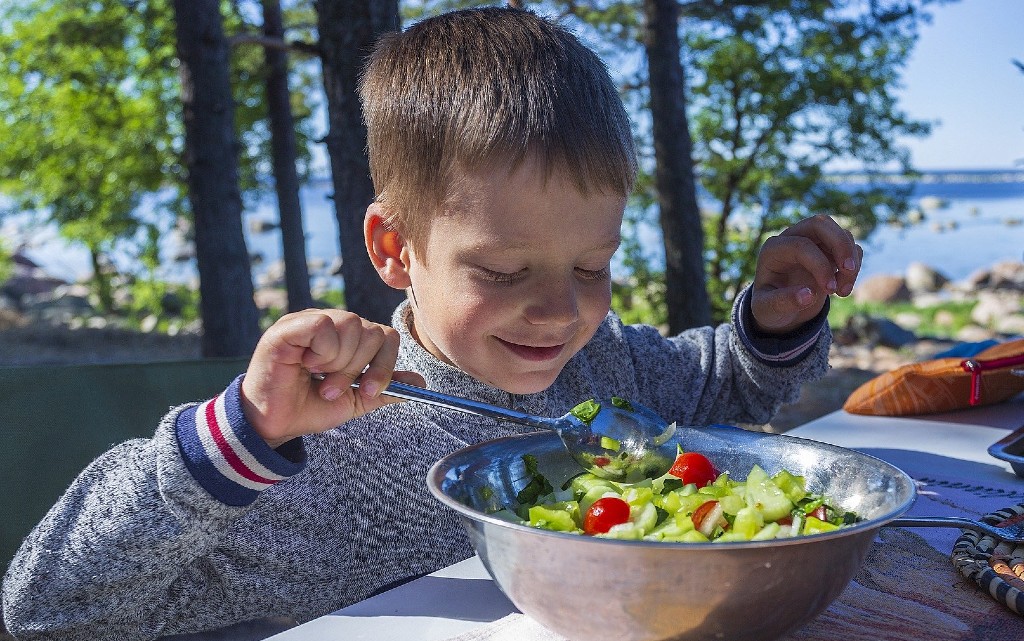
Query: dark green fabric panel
56, 419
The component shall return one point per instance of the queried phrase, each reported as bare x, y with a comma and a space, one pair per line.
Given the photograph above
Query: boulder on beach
1007, 274
864, 329
60, 305
922, 278
994, 305
933, 202
882, 288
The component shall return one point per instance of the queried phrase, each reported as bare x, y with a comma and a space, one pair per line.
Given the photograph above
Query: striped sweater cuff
776, 350
226, 456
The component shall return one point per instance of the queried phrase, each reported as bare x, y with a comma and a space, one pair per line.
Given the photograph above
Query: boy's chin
526, 384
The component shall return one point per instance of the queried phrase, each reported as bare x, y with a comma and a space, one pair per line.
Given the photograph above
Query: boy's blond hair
477, 88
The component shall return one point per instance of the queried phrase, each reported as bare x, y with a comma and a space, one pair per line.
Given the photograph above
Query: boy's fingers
332, 340
369, 354
784, 305
308, 339
834, 241
846, 277
380, 364
782, 253
412, 378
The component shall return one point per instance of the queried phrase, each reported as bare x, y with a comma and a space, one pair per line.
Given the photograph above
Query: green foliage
640, 297
6, 263
249, 75
637, 301
957, 315
172, 303
782, 92
90, 115
333, 298
85, 99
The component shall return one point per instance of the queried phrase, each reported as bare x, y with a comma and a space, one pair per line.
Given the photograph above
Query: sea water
975, 226
967, 224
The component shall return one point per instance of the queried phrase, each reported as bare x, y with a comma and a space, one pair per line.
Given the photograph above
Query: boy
502, 159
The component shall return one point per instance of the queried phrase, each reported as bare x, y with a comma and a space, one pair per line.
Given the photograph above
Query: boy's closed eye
502, 276
499, 276
604, 273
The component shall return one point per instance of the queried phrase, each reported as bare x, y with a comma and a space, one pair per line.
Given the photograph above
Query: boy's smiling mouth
531, 353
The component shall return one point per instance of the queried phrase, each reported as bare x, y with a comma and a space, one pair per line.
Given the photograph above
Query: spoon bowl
624, 441
614, 439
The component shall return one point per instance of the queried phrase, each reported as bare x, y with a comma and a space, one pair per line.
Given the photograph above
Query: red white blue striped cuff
226, 456
776, 350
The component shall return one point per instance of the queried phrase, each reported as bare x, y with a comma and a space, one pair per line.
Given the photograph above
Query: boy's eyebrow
612, 243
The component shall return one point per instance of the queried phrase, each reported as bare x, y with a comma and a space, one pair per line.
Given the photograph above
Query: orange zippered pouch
943, 384
977, 368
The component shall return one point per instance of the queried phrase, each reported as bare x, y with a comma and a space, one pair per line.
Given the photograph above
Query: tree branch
308, 48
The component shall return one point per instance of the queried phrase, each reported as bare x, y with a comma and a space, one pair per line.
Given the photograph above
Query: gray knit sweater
204, 525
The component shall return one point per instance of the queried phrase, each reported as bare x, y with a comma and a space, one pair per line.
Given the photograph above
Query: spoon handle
957, 522
430, 397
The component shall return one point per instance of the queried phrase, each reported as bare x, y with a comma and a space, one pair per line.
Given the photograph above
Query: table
906, 590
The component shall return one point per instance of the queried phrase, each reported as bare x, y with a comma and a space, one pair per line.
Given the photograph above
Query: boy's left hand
798, 269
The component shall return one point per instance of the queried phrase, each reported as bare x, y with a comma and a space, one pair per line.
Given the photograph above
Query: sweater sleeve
226, 456
729, 373
777, 350
131, 549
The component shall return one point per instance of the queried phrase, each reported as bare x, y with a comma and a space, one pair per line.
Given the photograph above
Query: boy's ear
386, 247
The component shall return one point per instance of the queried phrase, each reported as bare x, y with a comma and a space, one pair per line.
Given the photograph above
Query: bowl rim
438, 472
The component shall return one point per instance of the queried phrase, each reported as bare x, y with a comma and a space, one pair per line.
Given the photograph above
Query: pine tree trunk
348, 30
101, 279
686, 288
286, 178
230, 320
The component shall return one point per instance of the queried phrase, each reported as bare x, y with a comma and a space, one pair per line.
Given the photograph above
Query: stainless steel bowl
600, 589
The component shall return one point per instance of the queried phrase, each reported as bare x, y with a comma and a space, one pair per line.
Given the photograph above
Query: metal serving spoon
1013, 532
613, 439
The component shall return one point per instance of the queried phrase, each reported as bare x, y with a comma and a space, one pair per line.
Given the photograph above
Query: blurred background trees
743, 114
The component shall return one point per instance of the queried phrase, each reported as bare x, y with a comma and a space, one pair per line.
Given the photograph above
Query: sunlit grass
943, 320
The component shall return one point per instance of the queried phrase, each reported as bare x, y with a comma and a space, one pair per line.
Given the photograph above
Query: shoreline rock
996, 293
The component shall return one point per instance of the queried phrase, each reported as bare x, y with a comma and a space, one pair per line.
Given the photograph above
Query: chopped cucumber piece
748, 523
644, 516
766, 497
627, 531
816, 526
561, 517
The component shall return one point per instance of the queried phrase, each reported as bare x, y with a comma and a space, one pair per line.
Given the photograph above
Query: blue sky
961, 75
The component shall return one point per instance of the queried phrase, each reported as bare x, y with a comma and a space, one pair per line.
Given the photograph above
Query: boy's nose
553, 302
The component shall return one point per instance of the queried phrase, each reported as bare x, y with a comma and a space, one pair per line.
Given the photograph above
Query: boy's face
517, 278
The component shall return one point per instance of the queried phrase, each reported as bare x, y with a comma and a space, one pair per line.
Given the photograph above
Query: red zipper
976, 367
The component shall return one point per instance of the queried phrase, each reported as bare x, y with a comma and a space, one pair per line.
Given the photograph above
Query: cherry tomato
707, 517
819, 513
604, 513
694, 468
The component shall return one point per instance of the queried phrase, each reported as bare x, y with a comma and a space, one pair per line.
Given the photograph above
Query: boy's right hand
281, 399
